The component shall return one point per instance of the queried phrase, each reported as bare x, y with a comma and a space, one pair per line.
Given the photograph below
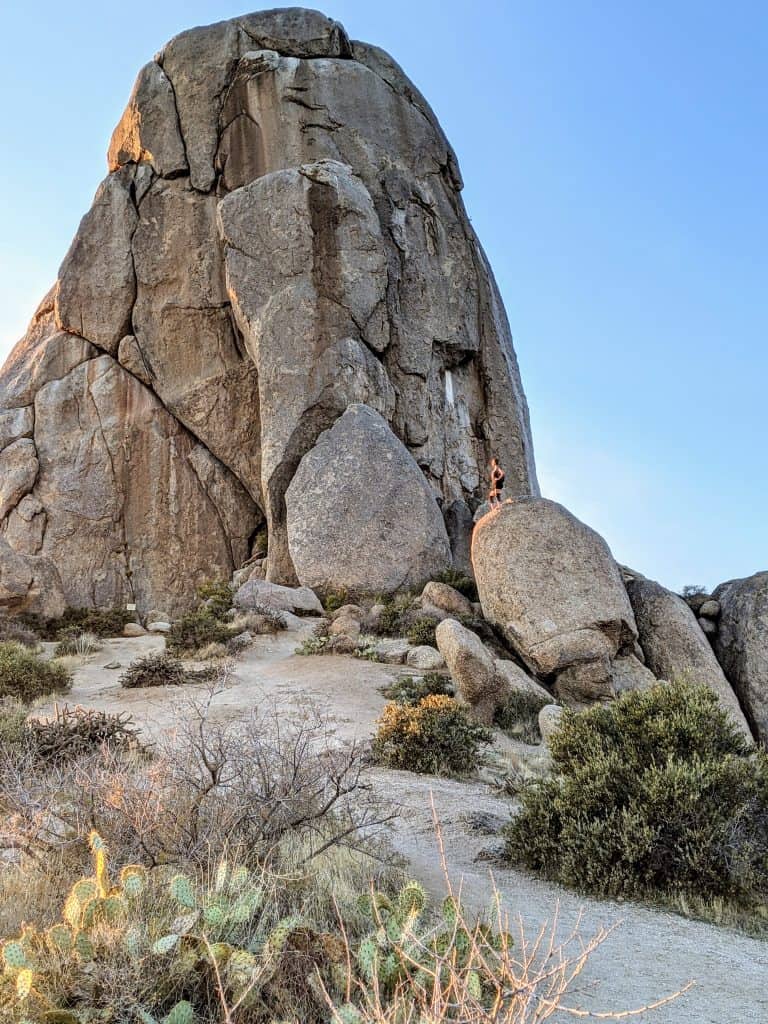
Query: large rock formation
674, 644
551, 585
281, 235
741, 644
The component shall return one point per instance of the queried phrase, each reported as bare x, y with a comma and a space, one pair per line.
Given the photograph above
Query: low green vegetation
215, 596
435, 736
519, 716
655, 796
100, 622
459, 581
195, 630
14, 631
412, 689
24, 676
421, 631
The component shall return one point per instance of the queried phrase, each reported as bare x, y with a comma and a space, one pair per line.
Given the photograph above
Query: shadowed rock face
281, 235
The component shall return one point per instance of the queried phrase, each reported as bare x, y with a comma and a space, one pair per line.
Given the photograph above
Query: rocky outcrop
674, 645
551, 585
741, 644
29, 584
360, 514
281, 235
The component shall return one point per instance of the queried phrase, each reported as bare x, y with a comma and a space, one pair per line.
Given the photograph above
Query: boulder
710, 609
425, 658
346, 622
134, 629
551, 585
674, 645
158, 626
741, 645
445, 600
391, 652
472, 669
29, 584
459, 523
518, 682
361, 517
628, 673
289, 599
550, 718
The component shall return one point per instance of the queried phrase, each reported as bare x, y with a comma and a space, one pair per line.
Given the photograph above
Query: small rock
345, 625
113, 664
342, 644
446, 599
391, 652
157, 615
425, 658
710, 609
708, 626
549, 721
484, 822
159, 627
373, 618
132, 629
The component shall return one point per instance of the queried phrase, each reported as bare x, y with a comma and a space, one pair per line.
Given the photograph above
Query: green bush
655, 795
101, 622
13, 719
412, 689
434, 737
195, 630
421, 631
215, 597
518, 717
75, 643
25, 677
459, 581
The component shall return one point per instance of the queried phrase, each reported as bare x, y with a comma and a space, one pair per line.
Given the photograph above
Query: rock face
551, 585
674, 645
281, 235
29, 584
360, 513
741, 644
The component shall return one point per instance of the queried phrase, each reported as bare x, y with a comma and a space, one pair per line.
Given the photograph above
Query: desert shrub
421, 631
25, 677
434, 737
13, 717
15, 631
215, 596
519, 716
274, 776
396, 615
412, 689
459, 581
160, 669
655, 795
334, 600
261, 619
77, 644
195, 630
102, 622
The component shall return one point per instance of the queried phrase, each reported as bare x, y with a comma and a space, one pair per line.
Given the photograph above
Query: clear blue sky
616, 169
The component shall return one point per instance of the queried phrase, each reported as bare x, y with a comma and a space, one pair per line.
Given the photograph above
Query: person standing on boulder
497, 482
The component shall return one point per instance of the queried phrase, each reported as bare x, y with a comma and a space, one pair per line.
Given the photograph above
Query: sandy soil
650, 954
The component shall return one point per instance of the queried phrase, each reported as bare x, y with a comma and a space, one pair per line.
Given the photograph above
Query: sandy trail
651, 954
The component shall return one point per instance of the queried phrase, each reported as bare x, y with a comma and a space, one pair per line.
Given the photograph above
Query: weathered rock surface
445, 599
551, 585
281, 234
18, 472
360, 514
29, 584
674, 645
741, 645
290, 599
472, 669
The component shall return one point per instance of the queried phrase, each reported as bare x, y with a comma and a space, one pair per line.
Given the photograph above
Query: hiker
497, 483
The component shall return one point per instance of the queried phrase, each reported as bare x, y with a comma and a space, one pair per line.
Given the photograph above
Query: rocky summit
275, 353
281, 236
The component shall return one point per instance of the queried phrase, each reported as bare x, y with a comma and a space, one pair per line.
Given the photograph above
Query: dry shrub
246, 784
435, 736
15, 631
74, 643
262, 619
76, 732
160, 669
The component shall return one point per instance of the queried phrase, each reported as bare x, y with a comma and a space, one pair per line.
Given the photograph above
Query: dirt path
651, 954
